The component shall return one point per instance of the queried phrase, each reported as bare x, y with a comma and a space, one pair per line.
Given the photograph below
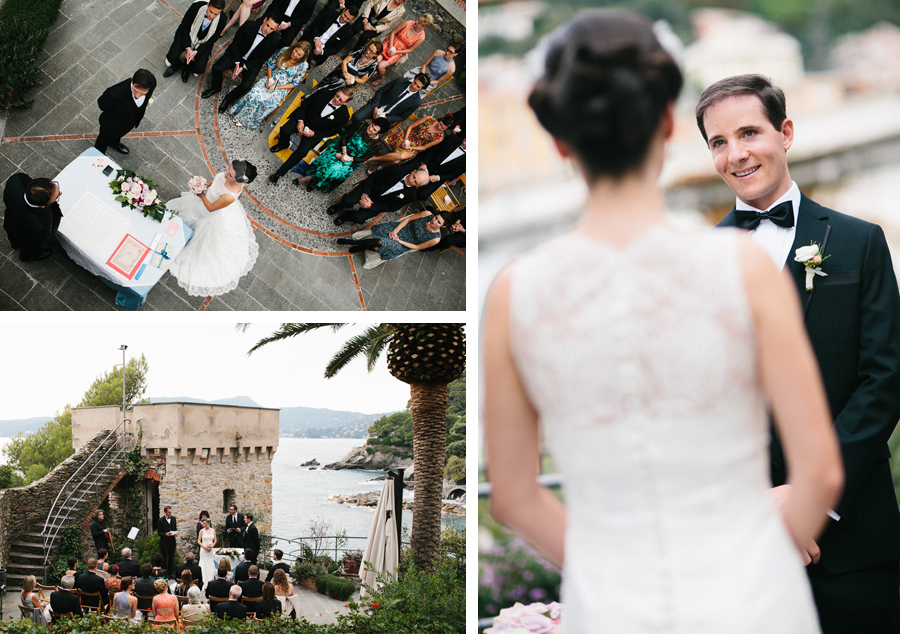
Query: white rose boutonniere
331, 118
149, 101
811, 258
401, 196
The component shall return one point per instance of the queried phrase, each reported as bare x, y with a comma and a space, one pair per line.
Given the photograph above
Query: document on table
94, 226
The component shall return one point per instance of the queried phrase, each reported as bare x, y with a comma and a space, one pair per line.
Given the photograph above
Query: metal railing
340, 543
63, 510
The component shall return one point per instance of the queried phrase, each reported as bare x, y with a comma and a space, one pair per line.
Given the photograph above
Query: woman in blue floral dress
341, 155
284, 71
393, 239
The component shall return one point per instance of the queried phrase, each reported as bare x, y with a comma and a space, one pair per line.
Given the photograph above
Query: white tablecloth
78, 177
234, 561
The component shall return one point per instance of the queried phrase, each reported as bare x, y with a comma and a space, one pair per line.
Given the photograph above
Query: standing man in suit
123, 106
387, 189
234, 527
330, 31
852, 317
251, 537
291, 15
32, 215
64, 601
167, 531
319, 116
201, 26
253, 45
394, 101
233, 608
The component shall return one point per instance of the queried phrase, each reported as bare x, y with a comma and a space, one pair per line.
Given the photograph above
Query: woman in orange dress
403, 40
165, 605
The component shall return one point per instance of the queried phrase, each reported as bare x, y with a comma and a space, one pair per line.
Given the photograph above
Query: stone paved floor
96, 43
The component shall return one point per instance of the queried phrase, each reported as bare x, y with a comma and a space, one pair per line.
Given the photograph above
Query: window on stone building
228, 498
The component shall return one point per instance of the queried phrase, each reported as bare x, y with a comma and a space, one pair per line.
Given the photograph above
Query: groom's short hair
772, 97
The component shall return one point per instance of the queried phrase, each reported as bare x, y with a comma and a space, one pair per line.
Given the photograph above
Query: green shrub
322, 582
69, 546
455, 469
457, 448
340, 589
303, 569
20, 47
38, 14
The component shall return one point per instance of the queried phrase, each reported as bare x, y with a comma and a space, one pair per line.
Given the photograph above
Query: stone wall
24, 509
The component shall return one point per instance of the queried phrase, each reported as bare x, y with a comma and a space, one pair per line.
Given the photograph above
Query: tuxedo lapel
812, 226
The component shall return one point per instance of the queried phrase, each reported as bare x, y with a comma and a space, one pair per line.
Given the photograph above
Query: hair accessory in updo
240, 171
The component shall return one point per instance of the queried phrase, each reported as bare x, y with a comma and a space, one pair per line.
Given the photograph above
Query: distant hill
11, 427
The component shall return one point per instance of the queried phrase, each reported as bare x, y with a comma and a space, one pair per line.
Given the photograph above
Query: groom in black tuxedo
852, 316
123, 106
32, 215
166, 529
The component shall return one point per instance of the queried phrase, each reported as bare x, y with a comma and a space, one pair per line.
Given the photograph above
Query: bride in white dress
206, 539
223, 248
644, 354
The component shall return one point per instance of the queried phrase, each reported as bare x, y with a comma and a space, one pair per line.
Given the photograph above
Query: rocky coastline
359, 458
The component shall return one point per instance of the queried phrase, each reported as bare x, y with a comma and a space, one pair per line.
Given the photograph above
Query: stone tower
201, 456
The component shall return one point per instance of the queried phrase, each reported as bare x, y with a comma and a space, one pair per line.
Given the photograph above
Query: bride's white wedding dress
641, 364
223, 248
207, 562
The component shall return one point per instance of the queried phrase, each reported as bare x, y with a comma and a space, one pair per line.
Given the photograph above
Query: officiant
194, 39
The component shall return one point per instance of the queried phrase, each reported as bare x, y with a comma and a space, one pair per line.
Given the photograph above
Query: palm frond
378, 346
358, 345
286, 331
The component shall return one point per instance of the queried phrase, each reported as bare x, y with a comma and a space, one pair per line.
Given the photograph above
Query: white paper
133, 532
94, 226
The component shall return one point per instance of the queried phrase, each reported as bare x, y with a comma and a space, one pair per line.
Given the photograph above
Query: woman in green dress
340, 156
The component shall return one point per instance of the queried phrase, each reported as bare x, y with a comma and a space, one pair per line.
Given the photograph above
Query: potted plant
306, 573
352, 559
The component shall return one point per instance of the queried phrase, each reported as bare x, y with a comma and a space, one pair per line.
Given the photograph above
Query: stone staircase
102, 464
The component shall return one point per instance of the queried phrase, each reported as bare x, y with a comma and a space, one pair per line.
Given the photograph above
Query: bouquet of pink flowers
540, 618
138, 192
197, 184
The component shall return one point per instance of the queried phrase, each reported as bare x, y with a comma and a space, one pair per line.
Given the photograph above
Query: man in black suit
242, 570
277, 554
387, 189
291, 15
319, 116
330, 31
167, 530
32, 215
219, 587
143, 586
191, 565
200, 27
252, 46
251, 587
99, 532
234, 527
123, 106
91, 582
128, 567
251, 537
64, 601
233, 608
394, 101
446, 161
852, 315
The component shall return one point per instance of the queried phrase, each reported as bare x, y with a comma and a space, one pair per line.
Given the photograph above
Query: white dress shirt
775, 240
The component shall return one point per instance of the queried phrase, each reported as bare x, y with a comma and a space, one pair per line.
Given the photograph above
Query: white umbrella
382, 548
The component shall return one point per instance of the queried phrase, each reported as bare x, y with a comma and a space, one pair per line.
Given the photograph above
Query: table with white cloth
92, 247
233, 560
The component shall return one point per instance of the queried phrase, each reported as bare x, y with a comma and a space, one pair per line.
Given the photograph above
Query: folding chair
251, 605
90, 602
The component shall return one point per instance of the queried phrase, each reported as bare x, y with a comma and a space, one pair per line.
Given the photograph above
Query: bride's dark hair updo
606, 83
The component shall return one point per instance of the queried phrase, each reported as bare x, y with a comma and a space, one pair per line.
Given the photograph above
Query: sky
48, 365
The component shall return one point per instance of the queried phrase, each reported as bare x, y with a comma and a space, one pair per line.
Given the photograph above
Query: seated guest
405, 144
218, 588
233, 608
285, 71
158, 571
403, 40
165, 605
128, 567
354, 70
64, 601
377, 18
242, 570
386, 190
125, 604
251, 588
330, 31
389, 240
226, 564
30, 600
268, 605
277, 564
102, 563
446, 161
144, 588
453, 235
440, 66
394, 101
72, 569
200, 27
190, 565
91, 582
113, 581
319, 116
283, 587
291, 15
194, 611
185, 581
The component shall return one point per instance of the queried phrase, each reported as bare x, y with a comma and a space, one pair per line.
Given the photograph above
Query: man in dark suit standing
32, 215
64, 601
852, 315
200, 27
387, 189
219, 587
319, 116
251, 587
167, 530
394, 101
123, 106
191, 565
128, 567
233, 608
251, 537
329, 31
252, 46
91, 582
234, 527
291, 16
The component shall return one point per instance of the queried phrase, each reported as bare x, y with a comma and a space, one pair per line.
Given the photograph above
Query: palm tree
427, 357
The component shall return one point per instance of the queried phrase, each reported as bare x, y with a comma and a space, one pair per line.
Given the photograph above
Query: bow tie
781, 214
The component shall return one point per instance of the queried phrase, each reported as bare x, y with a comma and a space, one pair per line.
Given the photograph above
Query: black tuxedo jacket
183, 35
241, 571
434, 156
163, 527
327, 16
90, 582
251, 588
279, 566
65, 601
119, 113
310, 113
376, 184
235, 539
300, 16
218, 588
390, 93
144, 587
231, 609
853, 321
242, 42
251, 539
196, 573
129, 568
26, 226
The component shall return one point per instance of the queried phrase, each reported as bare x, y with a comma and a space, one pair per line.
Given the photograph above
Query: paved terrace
96, 43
